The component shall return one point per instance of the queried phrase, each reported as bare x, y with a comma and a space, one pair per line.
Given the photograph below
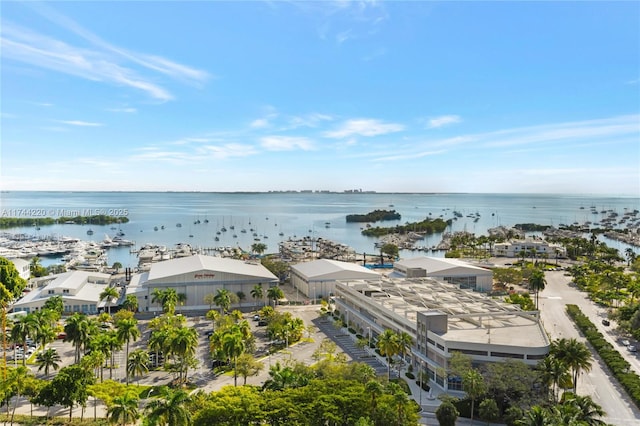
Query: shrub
410, 375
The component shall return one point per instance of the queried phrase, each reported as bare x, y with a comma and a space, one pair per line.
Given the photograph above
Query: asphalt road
597, 383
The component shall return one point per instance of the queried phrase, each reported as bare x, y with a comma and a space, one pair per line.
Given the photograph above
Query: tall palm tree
182, 344
25, 327
167, 298
222, 299
109, 294
537, 282
257, 292
536, 416
158, 342
169, 409
587, 411
474, 385
573, 354
404, 346
554, 374
137, 363
233, 346
127, 330
388, 346
275, 293
131, 303
47, 360
124, 409
78, 331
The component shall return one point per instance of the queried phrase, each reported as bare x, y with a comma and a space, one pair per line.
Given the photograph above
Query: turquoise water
292, 214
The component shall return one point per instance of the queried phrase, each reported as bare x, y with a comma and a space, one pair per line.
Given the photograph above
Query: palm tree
181, 298
233, 346
127, 330
25, 327
373, 388
587, 411
169, 409
78, 331
536, 416
404, 345
574, 355
554, 374
131, 303
158, 342
168, 299
258, 248
388, 346
222, 299
537, 282
109, 294
49, 359
182, 343
137, 363
275, 293
474, 385
124, 409
257, 292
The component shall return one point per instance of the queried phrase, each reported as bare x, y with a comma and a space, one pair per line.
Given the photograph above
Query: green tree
247, 365
109, 294
123, 410
233, 346
554, 374
488, 411
275, 293
36, 268
473, 384
78, 330
137, 363
47, 360
169, 409
222, 299
388, 346
209, 299
573, 354
126, 331
181, 344
167, 298
55, 304
257, 292
70, 387
447, 414
390, 250
586, 411
26, 326
131, 303
537, 283
258, 248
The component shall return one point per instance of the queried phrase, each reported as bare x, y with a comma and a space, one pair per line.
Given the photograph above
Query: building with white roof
23, 267
80, 292
453, 271
199, 275
316, 279
442, 319
537, 248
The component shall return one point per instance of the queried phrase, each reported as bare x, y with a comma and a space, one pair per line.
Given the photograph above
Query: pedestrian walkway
346, 341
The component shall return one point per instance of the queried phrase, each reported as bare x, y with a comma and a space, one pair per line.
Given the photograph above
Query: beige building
199, 275
539, 249
442, 319
316, 279
454, 271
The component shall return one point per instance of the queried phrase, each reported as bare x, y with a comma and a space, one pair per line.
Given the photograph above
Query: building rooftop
326, 268
173, 267
472, 317
433, 265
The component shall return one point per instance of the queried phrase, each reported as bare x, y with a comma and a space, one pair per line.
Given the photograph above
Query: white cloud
127, 110
260, 123
364, 127
103, 62
80, 123
443, 120
286, 143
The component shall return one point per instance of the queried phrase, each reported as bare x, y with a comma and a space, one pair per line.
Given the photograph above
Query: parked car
605, 322
632, 348
256, 317
625, 343
262, 323
62, 335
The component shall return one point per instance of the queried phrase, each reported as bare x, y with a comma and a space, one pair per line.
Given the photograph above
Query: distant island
17, 222
426, 226
374, 216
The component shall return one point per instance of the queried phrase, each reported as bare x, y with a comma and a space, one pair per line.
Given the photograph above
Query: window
92, 308
65, 291
469, 352
85, 308
67, 308
507, 355
536, 356
51, 291
76, 308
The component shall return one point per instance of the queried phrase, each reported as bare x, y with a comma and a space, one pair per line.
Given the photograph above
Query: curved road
598, 383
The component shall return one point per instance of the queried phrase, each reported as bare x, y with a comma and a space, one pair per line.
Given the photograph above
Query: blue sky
385, 96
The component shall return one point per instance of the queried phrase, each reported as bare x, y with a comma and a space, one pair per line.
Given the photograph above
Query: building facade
454, 271
442, 319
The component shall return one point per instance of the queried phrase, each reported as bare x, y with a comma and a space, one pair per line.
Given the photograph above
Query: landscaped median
620, 368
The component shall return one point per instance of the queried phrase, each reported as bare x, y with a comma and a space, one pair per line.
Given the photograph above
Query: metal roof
174, 267
333, 270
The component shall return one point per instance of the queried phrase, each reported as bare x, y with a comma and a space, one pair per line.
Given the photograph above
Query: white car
632, 348
625, 343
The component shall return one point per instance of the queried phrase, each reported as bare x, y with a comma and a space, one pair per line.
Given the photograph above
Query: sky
482, 97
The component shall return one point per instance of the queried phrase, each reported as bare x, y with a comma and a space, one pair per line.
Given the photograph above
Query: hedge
618, 366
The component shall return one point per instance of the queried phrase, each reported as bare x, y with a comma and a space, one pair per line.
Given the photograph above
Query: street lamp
369, 331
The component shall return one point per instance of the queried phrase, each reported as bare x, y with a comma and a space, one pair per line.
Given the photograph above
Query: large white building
23, 267
441, 318
199, 275
530, 248
453, 271
80, 292
316, 279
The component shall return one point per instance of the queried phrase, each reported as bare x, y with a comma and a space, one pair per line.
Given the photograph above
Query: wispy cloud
364, 127
408, 156
126, 110
259, 123
80, 123
103, 62
286, 143
443, 120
